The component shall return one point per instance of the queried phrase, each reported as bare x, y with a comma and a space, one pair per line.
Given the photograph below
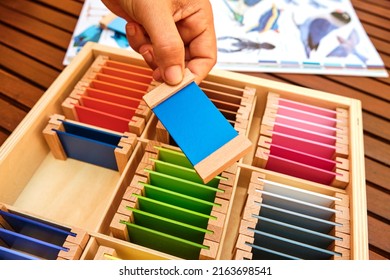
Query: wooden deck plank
268, 76
382, 47
374, 9
375, 256
32, 70
3, 136
32, 47
70, 7
377, 173
376, 32
377, 149
376, 88
20, 91
377, 126
381, 3
35, 27
379, 234
11, 116
378, 202
42, 13
367, 17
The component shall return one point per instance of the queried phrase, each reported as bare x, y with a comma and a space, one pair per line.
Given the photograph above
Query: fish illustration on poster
306, 36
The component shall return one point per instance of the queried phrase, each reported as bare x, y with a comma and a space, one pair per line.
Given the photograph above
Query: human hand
170, 35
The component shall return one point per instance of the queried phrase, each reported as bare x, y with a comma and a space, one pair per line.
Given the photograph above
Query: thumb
167, 47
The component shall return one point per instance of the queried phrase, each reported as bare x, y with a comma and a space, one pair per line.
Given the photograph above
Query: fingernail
147, 57
173, 74
130, 29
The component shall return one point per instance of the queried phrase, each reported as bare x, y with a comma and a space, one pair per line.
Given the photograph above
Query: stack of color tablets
305, 141
168, 208
280, 221
70, 139
235, 103
27, 238
109, 95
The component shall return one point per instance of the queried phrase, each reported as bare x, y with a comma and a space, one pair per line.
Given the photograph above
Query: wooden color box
80, 195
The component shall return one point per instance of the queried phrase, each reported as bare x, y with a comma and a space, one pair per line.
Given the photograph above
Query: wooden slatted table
35, 36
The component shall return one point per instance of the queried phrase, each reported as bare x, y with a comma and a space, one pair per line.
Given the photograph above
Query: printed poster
285, 36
